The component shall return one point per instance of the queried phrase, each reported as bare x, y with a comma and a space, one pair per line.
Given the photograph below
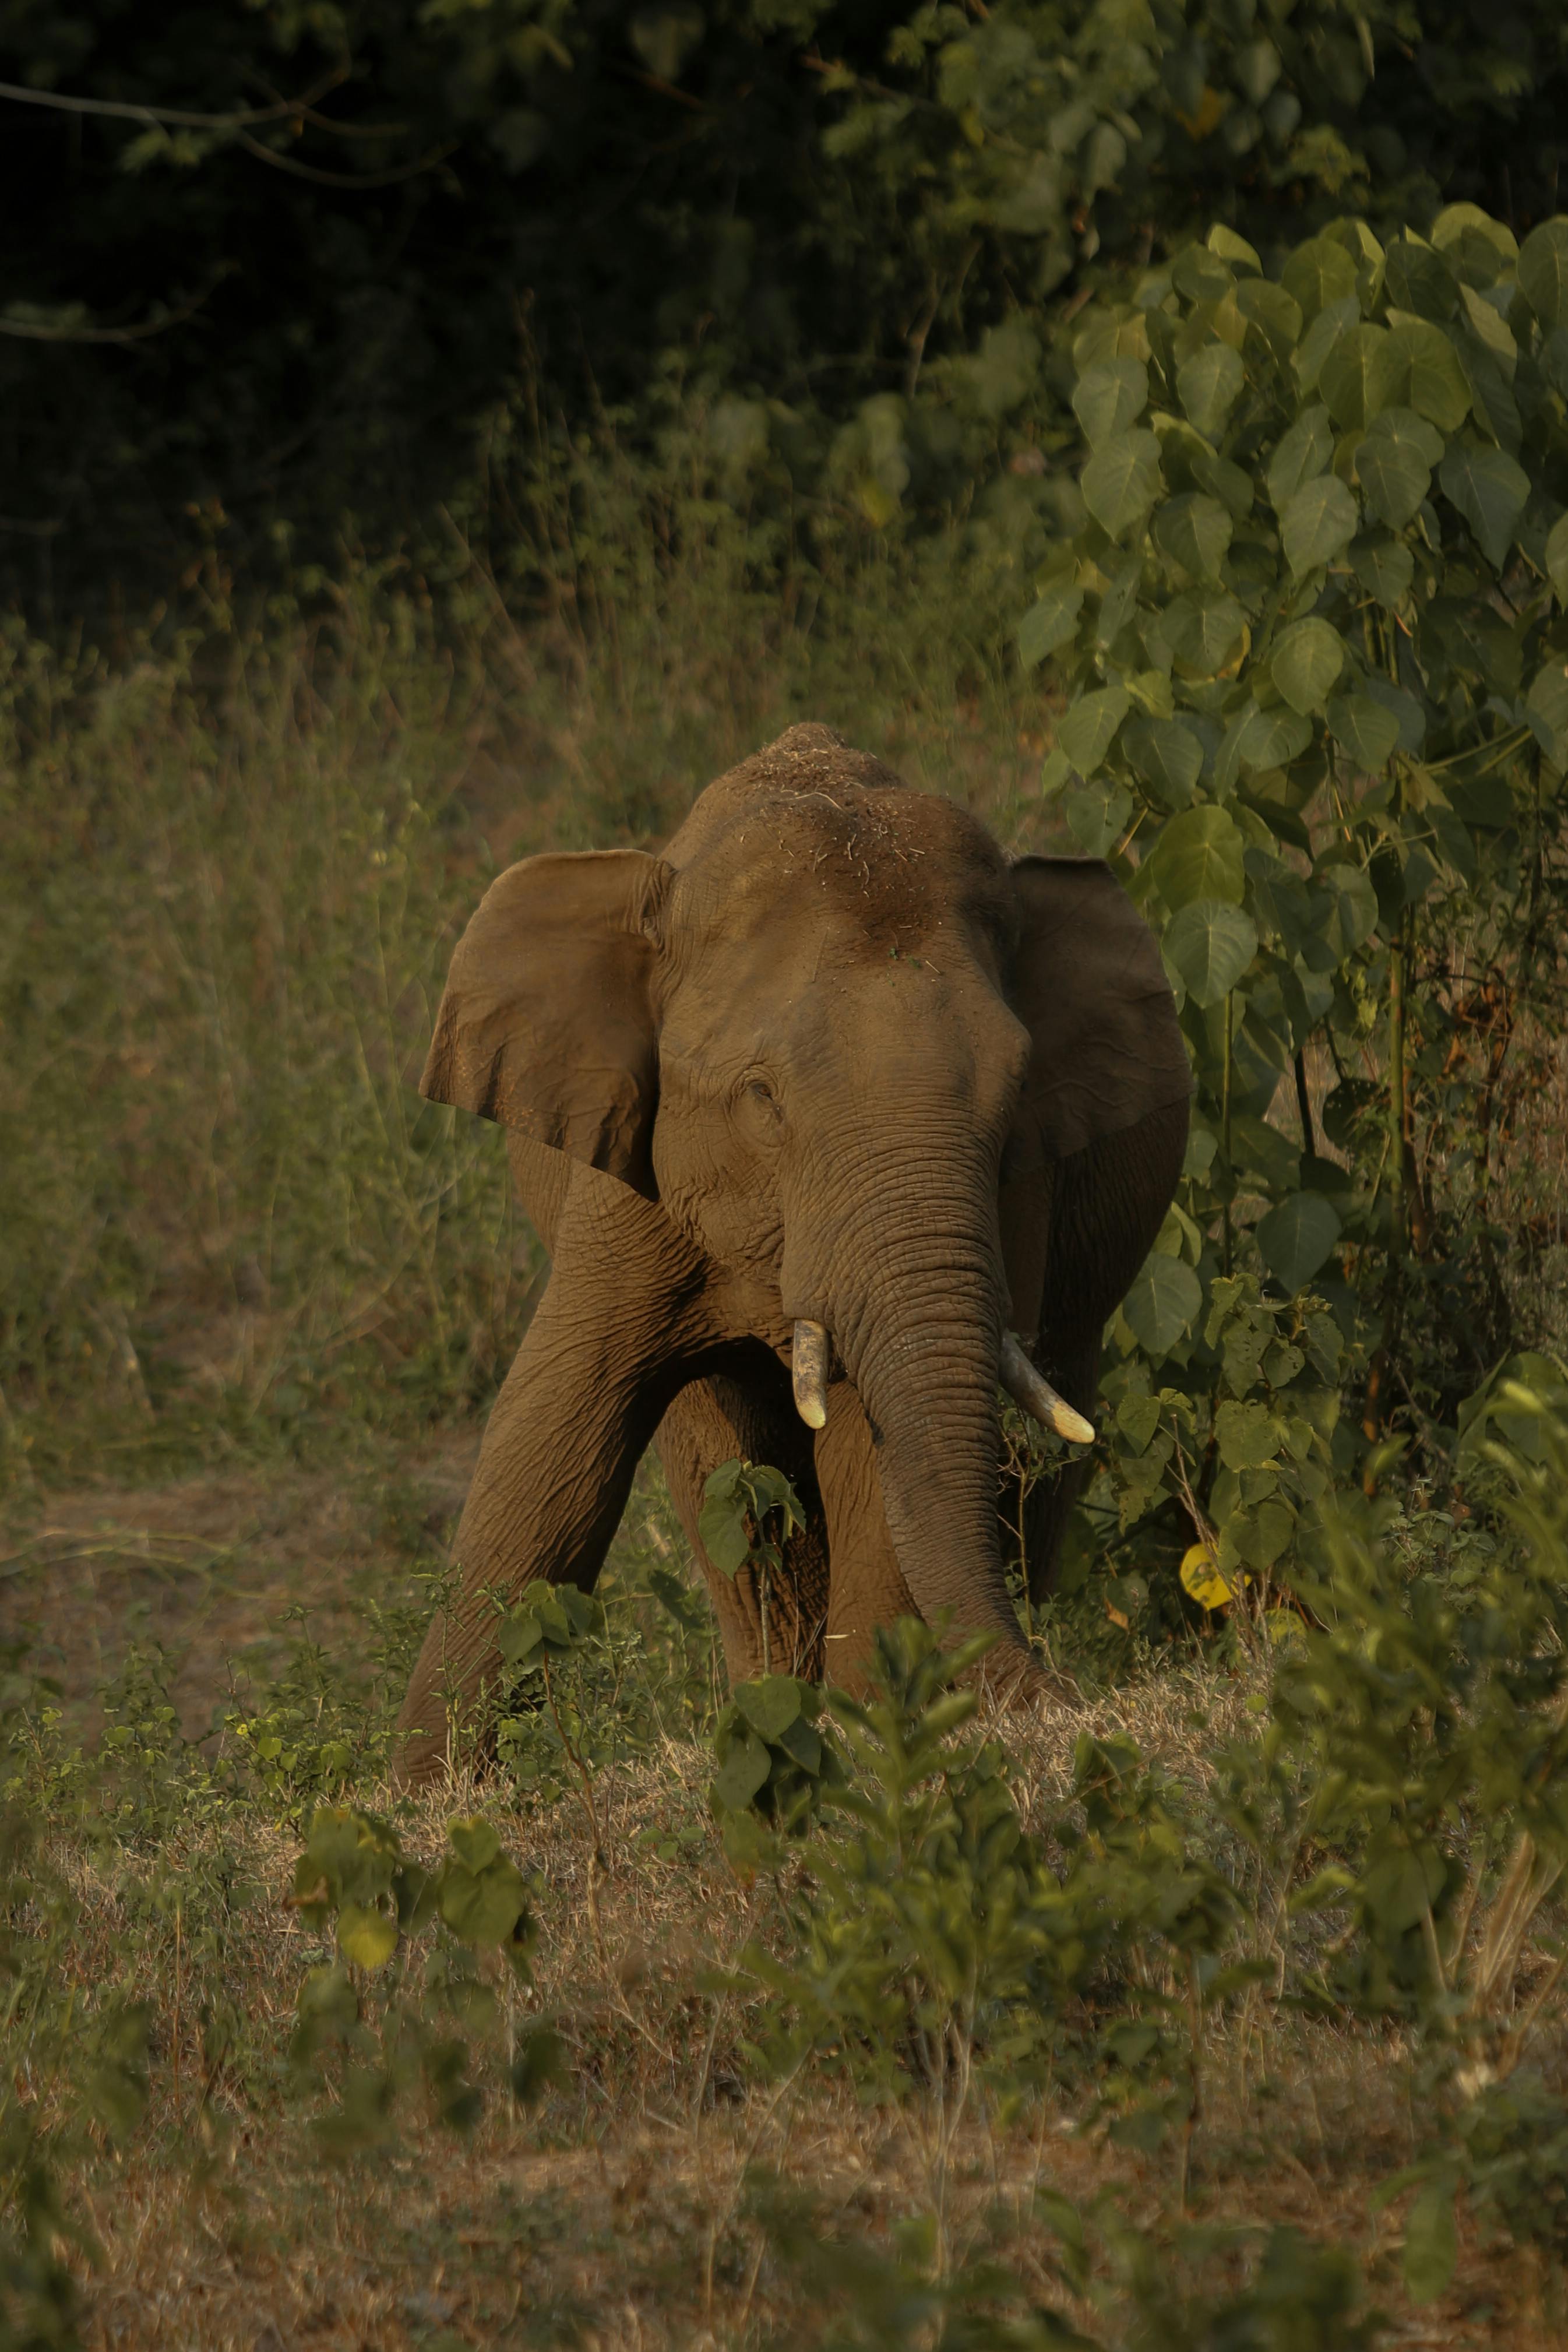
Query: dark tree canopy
294, 286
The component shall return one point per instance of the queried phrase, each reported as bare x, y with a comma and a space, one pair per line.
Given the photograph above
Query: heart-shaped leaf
1201, 1577
1365, 372
1543, 271
1209, 944
1302, 455
475, 1841
1431, 2239
1419, 280
1434, 383
1489, 490
1364, 729
1097, 815
1385, 567
1394, 480
1274, 314
1166, 756
482, 1907
1317, 273
746, 1767
1336, 318
1307, 661
1296, 1237
1195, 531
1407, 710
1248, 1434
1162, 1303
1121, 482
1272, 738
1109, 396
1317, 524
1089, 730
1050, 622
1200, 855
1208, 386
1546, 707
1345, 903
769, 1706
1203, 629
366, 1937
1557, 557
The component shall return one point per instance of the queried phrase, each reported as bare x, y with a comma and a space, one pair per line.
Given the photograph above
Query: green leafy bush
740, 1501
773, 1760
1312, 628
1230, 1454
391, 2025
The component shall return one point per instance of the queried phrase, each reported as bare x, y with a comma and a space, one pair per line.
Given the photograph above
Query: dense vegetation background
287, 265
431, 434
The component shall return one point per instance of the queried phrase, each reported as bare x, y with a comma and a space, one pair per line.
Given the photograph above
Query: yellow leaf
1205, 115
1202, 1578
1233, 667
1284, 1625
367, 1938
1117, 1617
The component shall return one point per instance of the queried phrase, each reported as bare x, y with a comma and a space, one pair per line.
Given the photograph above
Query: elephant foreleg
604, 1353
866, 1587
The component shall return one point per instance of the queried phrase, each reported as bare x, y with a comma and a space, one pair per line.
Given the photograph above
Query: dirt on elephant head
909, 857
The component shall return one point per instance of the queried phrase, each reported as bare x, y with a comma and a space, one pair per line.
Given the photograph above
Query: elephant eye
761, 1091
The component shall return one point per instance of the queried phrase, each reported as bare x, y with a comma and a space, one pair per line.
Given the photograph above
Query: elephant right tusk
1037, 1396
809, 1371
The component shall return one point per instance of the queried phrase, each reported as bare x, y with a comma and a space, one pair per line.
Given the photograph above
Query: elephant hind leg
749, 1416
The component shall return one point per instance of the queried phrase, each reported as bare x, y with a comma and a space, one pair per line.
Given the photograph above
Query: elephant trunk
911, 1292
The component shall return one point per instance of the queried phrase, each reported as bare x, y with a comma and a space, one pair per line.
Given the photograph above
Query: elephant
826, 1116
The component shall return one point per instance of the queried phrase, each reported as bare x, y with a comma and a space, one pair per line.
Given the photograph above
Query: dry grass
620, 2211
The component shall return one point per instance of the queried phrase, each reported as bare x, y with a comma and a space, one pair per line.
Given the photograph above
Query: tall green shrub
1311, 628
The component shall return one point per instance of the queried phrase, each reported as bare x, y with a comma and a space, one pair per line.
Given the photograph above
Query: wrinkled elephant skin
829, 1060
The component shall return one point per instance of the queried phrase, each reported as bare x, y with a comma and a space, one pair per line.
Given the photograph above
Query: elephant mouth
812, 1351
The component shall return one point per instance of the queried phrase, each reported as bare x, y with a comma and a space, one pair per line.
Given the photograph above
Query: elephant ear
1090, 987
546, 1023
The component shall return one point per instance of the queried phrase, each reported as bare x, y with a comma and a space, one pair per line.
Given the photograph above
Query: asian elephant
830, 1097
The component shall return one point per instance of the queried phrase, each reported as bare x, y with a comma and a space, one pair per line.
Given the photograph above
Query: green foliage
302, 1735
1416, 1747
739, 1499
73, 2069
1314, 644
1149, 2289
772, 1760
935, 1951
837, 227
1226, 1449
390, 2026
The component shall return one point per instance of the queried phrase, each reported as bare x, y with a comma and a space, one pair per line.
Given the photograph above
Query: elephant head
829, 1053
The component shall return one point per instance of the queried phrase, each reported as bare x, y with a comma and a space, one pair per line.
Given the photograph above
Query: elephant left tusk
1037, 1396
809, 1372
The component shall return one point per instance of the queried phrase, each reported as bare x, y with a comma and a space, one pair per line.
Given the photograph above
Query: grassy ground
644, 2199
254, 1298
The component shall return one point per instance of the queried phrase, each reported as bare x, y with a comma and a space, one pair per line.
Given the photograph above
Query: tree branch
29, 333
125, 110
344, 179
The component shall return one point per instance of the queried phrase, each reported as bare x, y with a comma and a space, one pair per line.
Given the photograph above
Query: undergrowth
1006, 2029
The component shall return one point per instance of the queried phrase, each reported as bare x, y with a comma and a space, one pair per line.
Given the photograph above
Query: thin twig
26, 331
182, 117
345, 179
